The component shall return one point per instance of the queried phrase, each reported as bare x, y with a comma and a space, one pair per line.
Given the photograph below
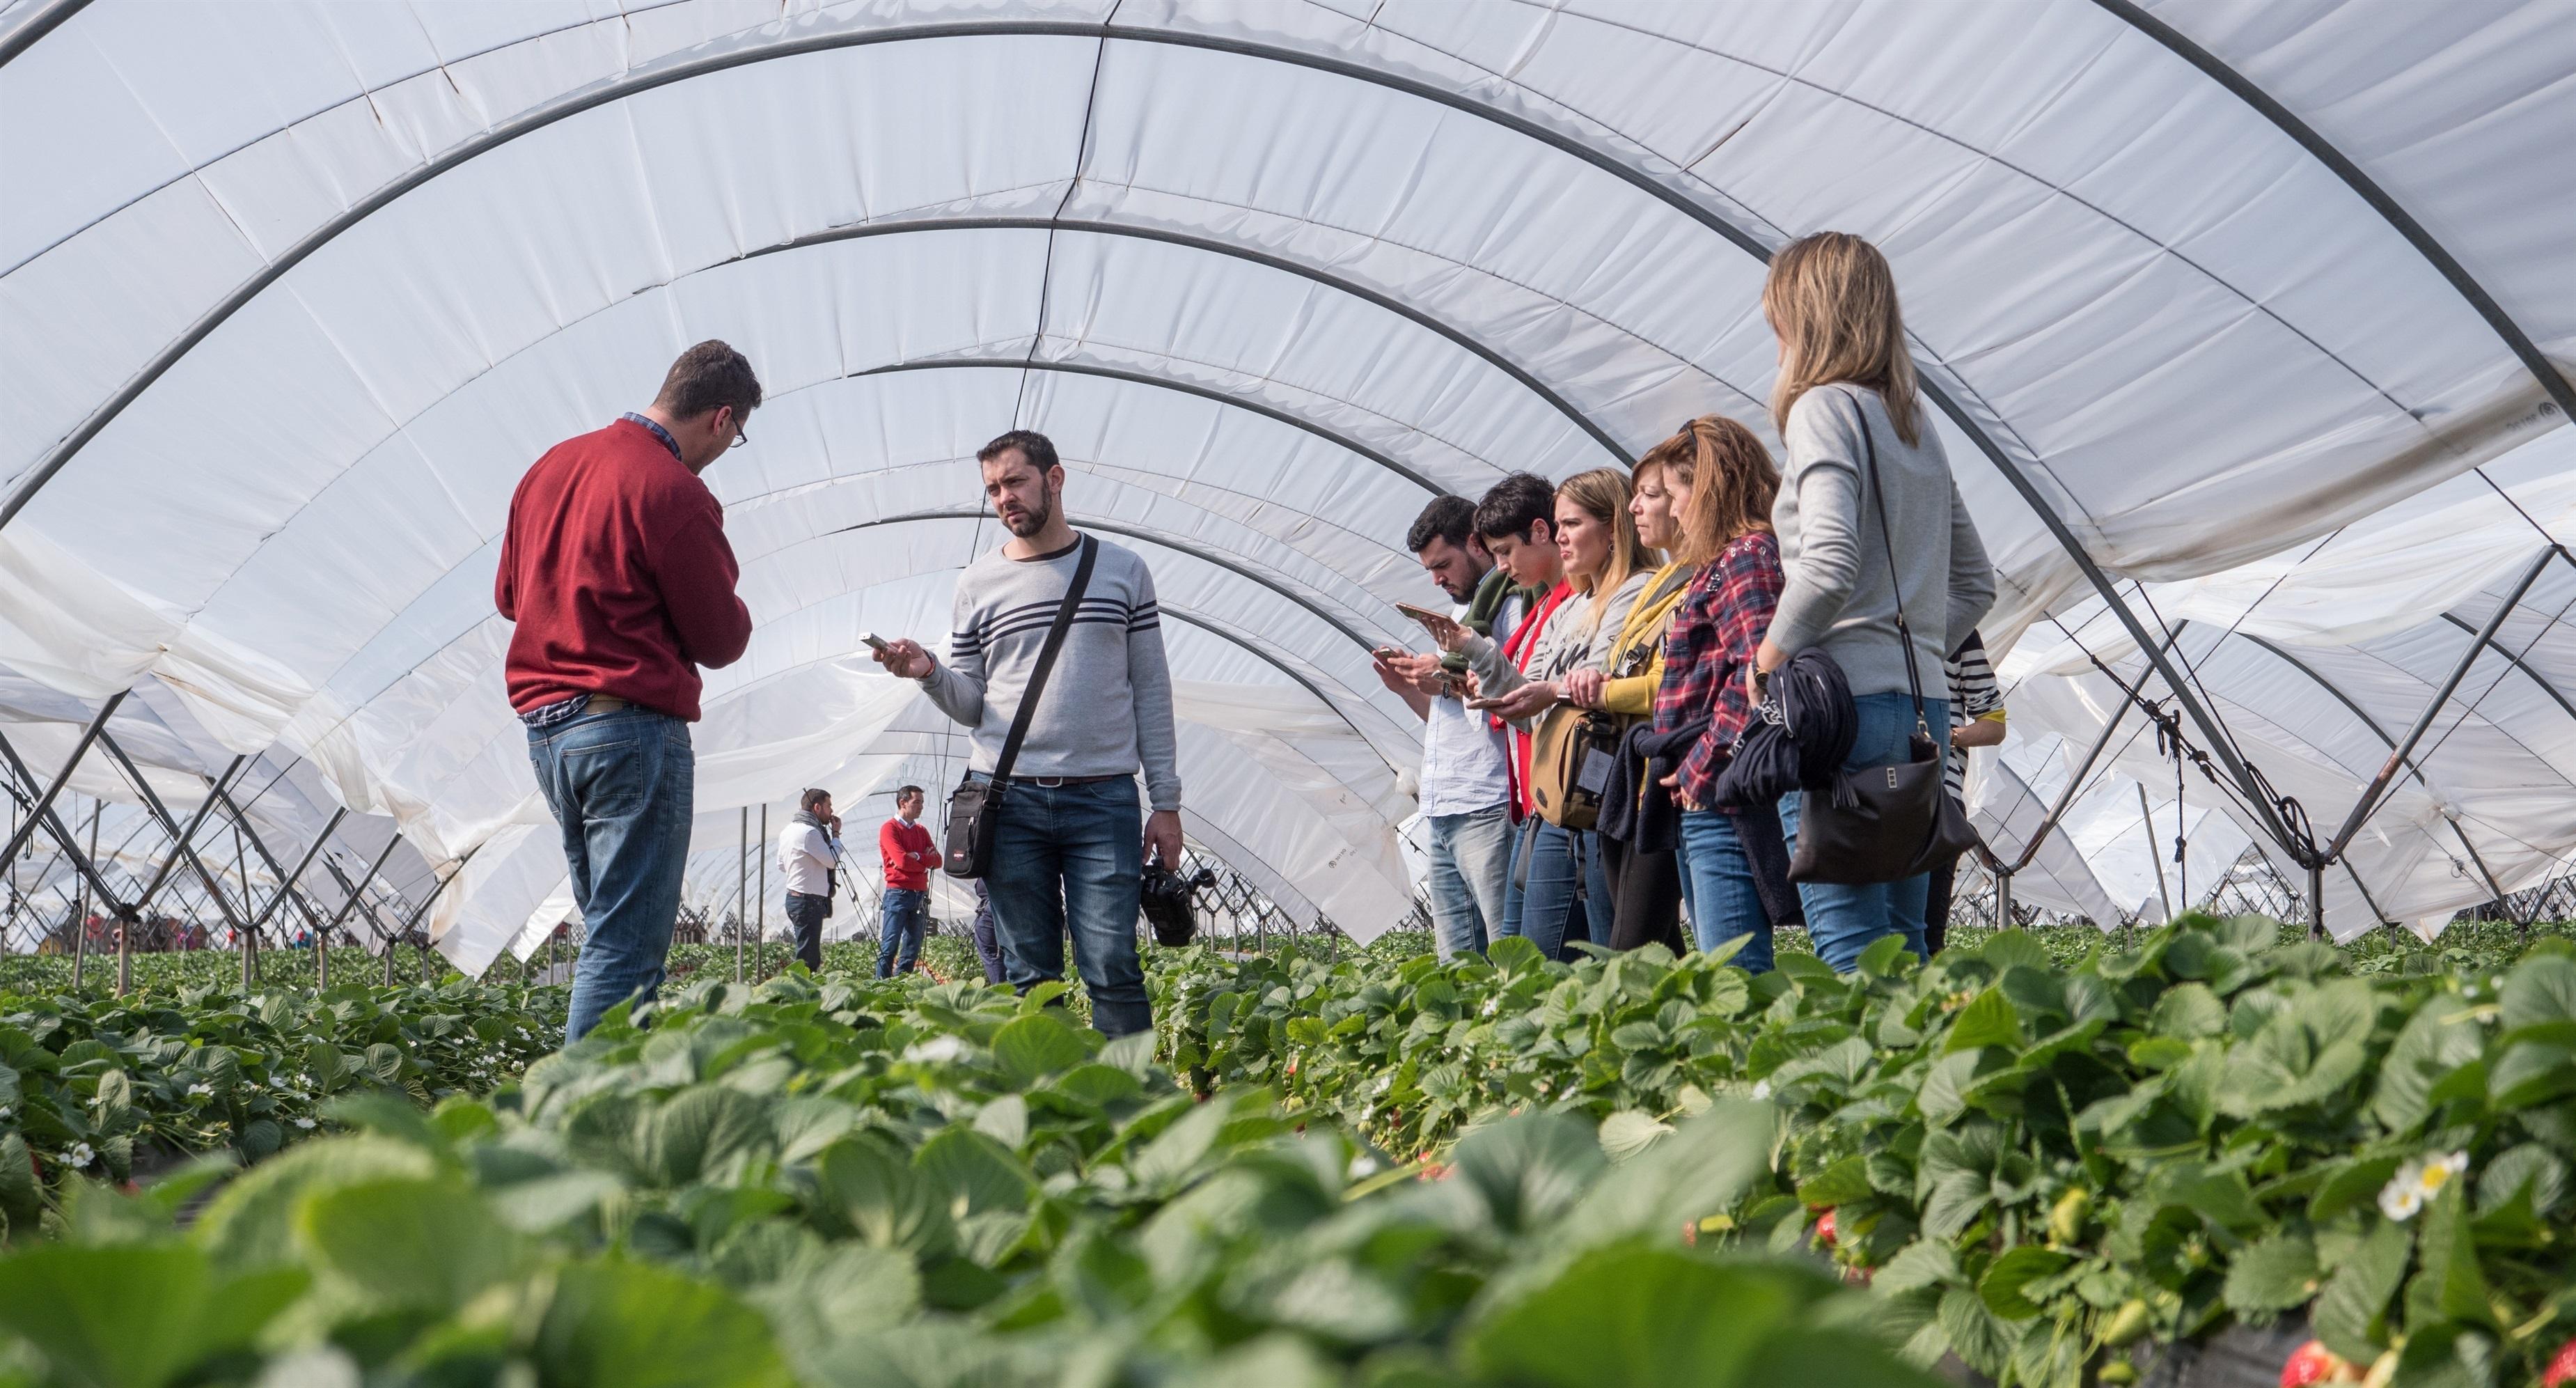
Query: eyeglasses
741, 436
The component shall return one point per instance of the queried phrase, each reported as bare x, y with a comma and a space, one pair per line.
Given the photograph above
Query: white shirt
1463, 753
806, 857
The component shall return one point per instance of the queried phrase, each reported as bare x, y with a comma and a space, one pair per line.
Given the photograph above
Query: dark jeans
899, 930
1074, 856
805, 916
1844, 920
623, 787
988, 945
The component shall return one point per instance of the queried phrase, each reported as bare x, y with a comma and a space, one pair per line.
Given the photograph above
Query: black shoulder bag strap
1010, 754
1887, 546
973, 807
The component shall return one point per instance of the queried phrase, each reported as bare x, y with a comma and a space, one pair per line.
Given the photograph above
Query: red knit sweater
615, 568
908, 854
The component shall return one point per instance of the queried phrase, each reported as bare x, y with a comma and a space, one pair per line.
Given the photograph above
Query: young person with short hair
809, 862
908, 855
1070, 841
614, 567
1601, 569
1466, 780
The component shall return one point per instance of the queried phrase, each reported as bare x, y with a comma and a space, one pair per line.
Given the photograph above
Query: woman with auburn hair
1636, 842
1734, 865
1887, 599
1559, 869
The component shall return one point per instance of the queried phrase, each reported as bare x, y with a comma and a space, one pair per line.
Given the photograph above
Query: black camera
1171, 905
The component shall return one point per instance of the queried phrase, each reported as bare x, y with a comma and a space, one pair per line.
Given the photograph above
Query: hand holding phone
875, 642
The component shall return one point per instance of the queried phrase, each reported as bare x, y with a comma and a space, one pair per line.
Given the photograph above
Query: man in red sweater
909, 856
615, 568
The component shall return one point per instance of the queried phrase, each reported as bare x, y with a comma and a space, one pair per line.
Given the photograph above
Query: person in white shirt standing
1466, 786
809, 854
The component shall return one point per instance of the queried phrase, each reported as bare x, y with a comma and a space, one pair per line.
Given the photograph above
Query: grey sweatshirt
1570, 641
1839, 595
1107, 706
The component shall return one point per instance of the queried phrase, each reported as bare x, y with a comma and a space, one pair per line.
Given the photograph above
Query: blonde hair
1732, 484
1603, 495
1832, 299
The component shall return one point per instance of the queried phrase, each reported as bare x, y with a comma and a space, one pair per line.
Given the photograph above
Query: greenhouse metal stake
45, 802
2147, 824
761, 901
80, 918
741, 886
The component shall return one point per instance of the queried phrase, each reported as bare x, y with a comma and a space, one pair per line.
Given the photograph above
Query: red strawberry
1825, 1228
2314, 1363
2562, 1367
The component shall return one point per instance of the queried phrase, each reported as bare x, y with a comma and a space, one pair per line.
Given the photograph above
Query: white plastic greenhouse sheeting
292, 295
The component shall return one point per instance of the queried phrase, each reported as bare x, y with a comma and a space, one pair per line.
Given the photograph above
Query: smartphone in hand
875, 642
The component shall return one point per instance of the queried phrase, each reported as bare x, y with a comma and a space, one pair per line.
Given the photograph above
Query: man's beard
1031, 521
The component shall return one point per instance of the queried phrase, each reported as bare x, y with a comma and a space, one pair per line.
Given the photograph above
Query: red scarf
1516, 649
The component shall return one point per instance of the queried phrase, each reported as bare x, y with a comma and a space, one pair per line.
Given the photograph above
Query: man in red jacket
615, 568
909, 855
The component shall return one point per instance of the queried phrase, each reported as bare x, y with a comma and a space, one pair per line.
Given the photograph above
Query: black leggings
1936, 907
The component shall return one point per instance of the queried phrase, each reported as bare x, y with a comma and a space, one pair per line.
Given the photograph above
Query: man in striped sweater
1071, 844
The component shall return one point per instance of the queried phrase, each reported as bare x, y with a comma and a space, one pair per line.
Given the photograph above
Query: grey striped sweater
1107, 708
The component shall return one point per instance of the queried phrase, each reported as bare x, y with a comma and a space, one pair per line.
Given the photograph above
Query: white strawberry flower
304, 1123
79, 1156
199, 1091
2417, 1183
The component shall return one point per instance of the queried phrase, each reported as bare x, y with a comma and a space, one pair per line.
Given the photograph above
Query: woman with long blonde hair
1885, 572
1559, 868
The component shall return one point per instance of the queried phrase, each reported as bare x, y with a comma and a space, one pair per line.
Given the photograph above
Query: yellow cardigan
1634, 695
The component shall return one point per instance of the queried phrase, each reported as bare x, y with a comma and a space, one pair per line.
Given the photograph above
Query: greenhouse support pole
2147, 824
185, 837
351, 903
2316, 898
760, 904
63, 839
2003, 895
80, 917
741, 888
45, 802
2397, 756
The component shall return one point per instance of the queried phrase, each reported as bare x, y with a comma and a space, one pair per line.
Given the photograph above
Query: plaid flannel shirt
1720, 621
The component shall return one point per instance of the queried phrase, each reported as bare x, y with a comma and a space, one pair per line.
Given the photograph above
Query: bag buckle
1891, 778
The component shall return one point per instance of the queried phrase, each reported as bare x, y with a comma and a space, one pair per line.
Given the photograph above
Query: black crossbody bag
1892, 822
975, 807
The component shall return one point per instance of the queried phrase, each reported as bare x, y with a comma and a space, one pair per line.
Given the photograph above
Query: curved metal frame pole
64, 840
2366, 720
45, 802
1144, 378
350, 902
2551, 380
2556, 695
1136, 532
745, 54
2398, 755
45, 21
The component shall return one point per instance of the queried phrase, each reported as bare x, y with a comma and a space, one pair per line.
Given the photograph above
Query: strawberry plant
854, 1182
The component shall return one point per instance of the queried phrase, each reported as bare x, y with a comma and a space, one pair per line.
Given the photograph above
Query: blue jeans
1471, 867
623, 787
1073, 855
805, 915
899, 919
1548, 903
1718, 880
1841, 920
988, 946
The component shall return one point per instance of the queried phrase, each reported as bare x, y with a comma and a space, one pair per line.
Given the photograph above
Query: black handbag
975, 807
1883, 823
